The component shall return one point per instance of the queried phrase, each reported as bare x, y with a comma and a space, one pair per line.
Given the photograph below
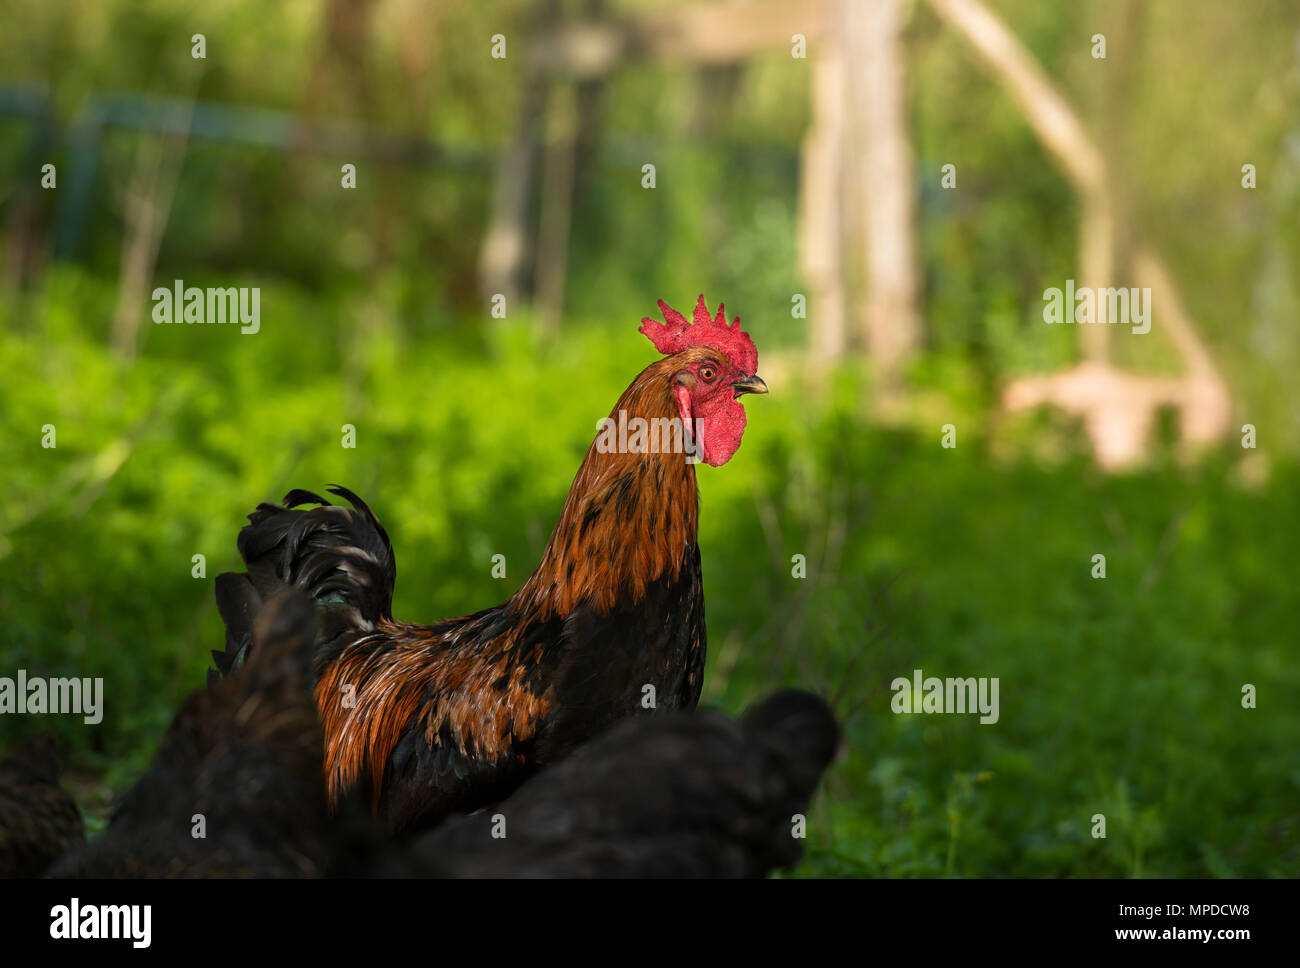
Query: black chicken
690, 794
235, 787
39, 821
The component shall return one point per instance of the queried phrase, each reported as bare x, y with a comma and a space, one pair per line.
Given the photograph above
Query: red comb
676, 334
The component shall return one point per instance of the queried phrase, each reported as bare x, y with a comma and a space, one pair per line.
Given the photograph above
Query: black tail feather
341, 558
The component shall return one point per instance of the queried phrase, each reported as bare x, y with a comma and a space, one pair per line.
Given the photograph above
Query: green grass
1119, 696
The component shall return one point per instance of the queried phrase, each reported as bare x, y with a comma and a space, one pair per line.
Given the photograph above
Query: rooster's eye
707, 373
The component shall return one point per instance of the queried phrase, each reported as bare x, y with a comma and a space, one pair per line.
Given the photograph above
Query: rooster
428, 720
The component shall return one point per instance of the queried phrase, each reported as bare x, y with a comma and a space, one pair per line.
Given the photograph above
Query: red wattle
720, 432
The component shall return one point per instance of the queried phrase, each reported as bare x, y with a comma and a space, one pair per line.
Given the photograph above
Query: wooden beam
704, 33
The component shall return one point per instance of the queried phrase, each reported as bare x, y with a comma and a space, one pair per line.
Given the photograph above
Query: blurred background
799, 154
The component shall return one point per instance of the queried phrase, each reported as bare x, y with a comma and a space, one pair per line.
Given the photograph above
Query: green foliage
1118, 696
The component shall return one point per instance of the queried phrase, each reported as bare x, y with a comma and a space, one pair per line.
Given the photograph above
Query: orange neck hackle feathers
629, 516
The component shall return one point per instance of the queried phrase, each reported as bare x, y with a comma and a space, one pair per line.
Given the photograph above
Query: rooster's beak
750, 384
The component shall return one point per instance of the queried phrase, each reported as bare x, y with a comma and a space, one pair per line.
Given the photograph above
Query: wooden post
556, 211
882, 169
820, 217
504, 256
506, 244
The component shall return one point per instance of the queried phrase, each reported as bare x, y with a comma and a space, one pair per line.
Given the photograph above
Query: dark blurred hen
683, 795
428, 720
38, 820
235, 787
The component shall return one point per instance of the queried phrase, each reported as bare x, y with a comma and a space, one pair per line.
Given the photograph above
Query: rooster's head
717, 365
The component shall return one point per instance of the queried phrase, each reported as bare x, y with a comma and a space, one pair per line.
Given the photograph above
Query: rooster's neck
631, 513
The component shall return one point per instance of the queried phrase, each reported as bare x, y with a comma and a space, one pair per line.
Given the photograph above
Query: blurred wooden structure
1118, 409
857, 199
861, 263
